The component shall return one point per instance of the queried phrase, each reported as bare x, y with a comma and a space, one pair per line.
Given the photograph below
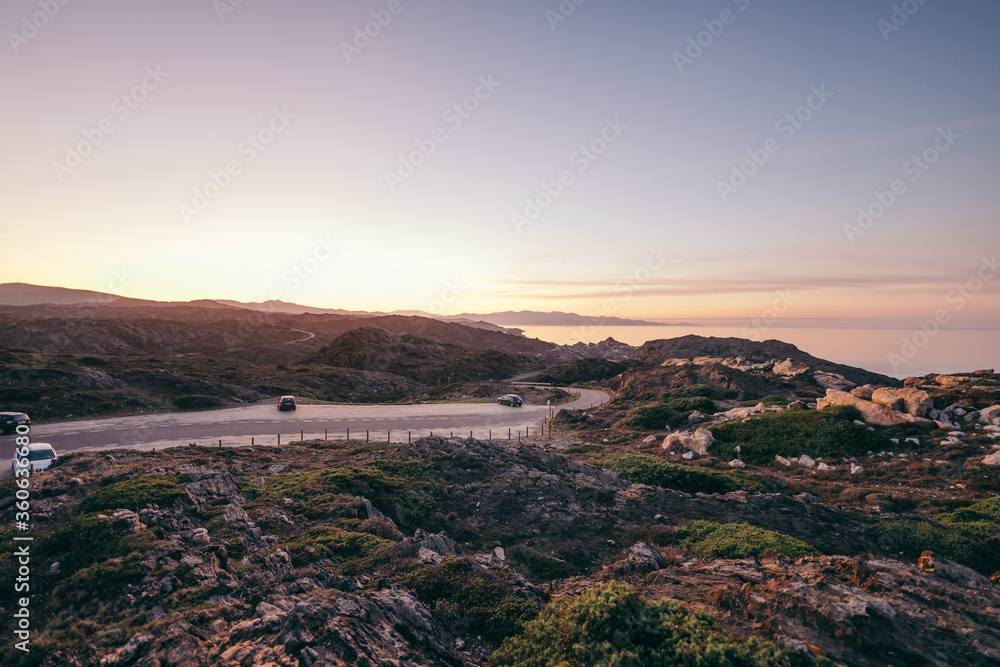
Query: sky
656, 160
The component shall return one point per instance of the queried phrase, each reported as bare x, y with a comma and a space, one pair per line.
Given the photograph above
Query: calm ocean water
896, 352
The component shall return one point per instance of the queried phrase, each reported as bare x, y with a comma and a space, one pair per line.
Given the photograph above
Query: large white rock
990, 415
864, 391
950, 380
832, 381
736, 463
992, 460
807, 461
916, 402
789, 368
873, 413
699, 441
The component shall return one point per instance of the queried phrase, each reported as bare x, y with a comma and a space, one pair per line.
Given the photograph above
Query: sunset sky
255, 150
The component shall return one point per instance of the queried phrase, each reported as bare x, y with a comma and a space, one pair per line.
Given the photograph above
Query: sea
894, 352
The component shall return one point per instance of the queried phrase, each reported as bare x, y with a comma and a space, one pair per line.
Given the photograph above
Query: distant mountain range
23, 294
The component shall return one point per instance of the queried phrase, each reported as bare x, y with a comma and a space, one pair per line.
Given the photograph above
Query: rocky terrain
133, 357
741, 510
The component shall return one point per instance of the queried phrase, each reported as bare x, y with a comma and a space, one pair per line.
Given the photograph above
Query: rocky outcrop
915, 402
697, 441
859, 611
873, 413
990, 415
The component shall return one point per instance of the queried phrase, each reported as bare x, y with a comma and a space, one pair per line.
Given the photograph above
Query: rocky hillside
444, 552
420, 359
748, 353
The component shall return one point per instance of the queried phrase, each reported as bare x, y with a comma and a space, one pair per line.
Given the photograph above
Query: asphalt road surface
262, 424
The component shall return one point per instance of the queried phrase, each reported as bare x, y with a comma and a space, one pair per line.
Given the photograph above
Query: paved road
262, 424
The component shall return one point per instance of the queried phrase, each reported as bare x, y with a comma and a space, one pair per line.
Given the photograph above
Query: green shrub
404, 491
611, 626
134, 494
655, 416
911, 538
96, 556
739, 540
827, 433
197, 402
699, 403
356, 552
540, 566
767, 400
642, 469
583, 449
489, 604
692, 391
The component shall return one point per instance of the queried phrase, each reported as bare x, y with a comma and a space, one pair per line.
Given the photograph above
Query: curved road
262, 424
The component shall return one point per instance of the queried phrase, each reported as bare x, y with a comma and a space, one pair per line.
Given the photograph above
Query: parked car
512, 400
9, 421
40, 456
286, 403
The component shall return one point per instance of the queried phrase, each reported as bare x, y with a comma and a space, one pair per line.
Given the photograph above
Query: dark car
286, 403
9, 421
512, 400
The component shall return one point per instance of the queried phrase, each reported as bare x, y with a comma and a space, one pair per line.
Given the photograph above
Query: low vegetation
611, 626
825, 433
671, 409
967, 535
739, 540
134, 494
642, 469
467, 595
355, 552
404, 491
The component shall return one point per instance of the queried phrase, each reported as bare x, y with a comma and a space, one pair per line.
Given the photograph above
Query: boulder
640, 560
698, 441
832, 380
783, 461
916, 402
864, 392
736, 463
807, 461
948, 381
990, 416
789, 368
874, 413
992, 459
